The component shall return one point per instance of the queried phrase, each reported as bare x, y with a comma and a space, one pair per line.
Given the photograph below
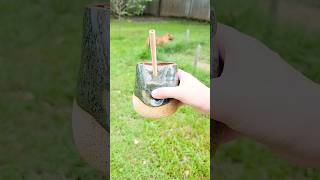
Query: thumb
165, 92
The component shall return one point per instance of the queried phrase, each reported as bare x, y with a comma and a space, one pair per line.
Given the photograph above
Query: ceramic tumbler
90, 119
216, 70
143, 103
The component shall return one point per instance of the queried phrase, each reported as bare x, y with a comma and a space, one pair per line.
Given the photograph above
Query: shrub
128, 7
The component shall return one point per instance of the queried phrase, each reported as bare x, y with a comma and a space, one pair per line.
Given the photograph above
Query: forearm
285, 118
272, 103
307, 119
204, 102
294, 123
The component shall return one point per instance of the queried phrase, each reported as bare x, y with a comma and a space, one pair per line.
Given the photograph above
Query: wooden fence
194, 9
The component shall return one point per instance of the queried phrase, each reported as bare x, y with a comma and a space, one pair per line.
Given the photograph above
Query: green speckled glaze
146, 82
216, 63
216, 69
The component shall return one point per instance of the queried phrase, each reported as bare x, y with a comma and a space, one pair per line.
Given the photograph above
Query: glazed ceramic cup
217, 66
145, 83
90, 115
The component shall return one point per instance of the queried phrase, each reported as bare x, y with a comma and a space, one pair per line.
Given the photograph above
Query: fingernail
154, 93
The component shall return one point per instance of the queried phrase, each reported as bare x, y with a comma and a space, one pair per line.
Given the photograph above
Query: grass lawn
169, 148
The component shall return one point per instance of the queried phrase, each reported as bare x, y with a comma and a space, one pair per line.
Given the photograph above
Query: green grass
170, 147
244, 158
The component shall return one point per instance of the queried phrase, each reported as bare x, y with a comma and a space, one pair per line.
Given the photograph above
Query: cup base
90, 139
154, 112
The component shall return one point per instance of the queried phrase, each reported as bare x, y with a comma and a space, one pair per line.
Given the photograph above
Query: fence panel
196, 9
200, 9
153, 8
175, 8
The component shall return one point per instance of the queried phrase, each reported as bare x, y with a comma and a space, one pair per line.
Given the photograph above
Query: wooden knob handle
153, 48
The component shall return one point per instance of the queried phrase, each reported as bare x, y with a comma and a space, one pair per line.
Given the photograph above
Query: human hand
190, 92
261, 96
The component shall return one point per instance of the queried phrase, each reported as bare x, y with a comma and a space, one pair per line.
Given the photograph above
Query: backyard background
176, 147
291, 28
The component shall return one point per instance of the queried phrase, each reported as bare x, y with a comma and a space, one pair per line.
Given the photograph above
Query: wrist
205, 105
